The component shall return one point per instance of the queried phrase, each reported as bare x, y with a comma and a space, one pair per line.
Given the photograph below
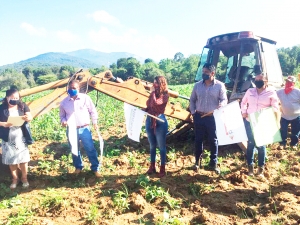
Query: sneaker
214, 168
195, 167
25, 183
250, 170
14, 183
97, 174
77, 171
295, 147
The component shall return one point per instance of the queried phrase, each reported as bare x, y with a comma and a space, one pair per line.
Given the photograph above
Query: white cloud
156, 47
67, 36
30, 29
104, 17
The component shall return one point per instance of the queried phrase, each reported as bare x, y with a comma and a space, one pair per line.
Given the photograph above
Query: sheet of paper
72, 134
16, 120
101, 145
229, 124
264, 127
134, 118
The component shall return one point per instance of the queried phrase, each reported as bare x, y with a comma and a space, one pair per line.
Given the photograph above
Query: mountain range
84, 58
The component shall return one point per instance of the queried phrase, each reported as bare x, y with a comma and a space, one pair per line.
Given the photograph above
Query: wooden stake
155, 117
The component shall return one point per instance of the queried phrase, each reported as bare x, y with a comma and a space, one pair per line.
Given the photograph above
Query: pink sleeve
92, 110
62, 113
275, 102
244, 103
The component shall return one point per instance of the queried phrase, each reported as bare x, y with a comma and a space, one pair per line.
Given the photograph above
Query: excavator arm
133, 91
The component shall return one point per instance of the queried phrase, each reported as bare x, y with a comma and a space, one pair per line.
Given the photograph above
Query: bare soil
203, 197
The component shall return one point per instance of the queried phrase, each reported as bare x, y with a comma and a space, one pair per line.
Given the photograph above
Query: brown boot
162, 171
151, 169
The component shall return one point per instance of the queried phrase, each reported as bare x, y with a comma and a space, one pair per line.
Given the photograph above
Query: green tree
166, 65
221, 68
153, 73
30, 80
27, 71
178, 57
95, 71
148, 60
11, 77
146, 71
121, 72
189, 67
132, 67
289, 59
121, 63
41, 72
45, 79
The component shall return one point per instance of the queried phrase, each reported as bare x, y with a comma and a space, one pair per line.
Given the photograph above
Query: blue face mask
205, 76
72, 92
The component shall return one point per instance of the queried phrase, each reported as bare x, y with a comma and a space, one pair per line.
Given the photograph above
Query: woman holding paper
157, 130
254, 100
15, 151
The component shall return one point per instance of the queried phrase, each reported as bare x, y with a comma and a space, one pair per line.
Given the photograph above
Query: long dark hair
163, 86
11, 92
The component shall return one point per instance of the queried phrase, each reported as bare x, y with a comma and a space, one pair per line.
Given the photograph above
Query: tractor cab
238, 57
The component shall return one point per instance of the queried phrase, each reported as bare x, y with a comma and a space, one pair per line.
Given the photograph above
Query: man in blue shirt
208, 94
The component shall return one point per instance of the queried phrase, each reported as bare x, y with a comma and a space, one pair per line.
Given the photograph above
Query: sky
155, 29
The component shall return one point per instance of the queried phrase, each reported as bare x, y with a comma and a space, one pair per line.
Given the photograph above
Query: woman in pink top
254, 100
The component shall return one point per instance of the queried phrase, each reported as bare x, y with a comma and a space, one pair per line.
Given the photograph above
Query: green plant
143, 180
153, 192
92, 214
132, 159
54, 200
167, 219
48, 126
112, 153
120, 199
279, 221
80, 182
225, 171
5, 190
197, 189
20, 217
66, 160
171, 155
44, 166
205, 157
110, 166
10, 203
172, 202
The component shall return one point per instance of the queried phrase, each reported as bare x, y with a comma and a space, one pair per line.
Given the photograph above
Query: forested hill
85, 58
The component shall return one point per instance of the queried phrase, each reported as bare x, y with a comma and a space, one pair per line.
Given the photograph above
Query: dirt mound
125, 195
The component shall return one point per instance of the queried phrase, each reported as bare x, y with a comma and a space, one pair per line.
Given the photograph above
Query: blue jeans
261, 150
158, 138
84, 134
202, 125
295, 125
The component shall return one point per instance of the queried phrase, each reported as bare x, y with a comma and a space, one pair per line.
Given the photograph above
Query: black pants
202, 125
